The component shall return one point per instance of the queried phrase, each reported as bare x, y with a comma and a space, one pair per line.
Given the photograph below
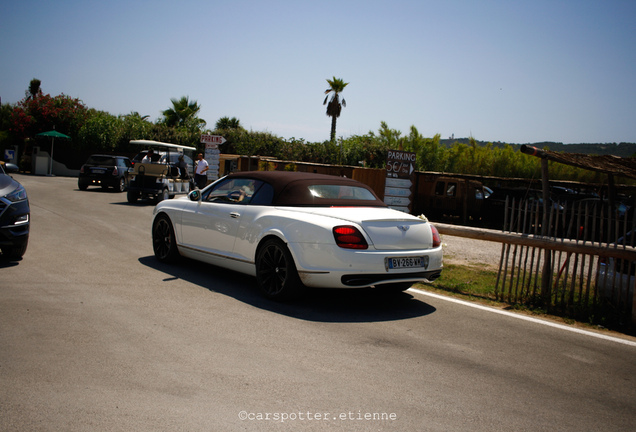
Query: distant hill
621, 149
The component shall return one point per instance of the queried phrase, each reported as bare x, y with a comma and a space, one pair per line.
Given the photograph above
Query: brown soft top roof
292, 188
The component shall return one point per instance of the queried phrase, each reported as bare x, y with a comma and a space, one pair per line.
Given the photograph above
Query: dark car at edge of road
105, 171
14, 215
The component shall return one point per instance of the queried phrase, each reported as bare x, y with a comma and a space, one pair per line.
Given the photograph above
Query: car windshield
155, 158
234, 190
173, 158
101, 160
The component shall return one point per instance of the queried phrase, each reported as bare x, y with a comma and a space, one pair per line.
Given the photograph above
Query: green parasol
53, 134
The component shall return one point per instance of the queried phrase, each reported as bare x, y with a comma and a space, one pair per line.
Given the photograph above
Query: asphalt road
96, 335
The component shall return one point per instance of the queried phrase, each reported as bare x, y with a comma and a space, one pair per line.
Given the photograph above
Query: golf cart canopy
154, 144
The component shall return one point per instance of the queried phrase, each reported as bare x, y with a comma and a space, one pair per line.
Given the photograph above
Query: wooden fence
582, 267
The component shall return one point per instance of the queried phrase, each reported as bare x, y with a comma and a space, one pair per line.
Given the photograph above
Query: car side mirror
195, 195
11, 168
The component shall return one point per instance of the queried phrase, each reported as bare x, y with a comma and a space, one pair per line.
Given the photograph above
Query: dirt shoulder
461, 250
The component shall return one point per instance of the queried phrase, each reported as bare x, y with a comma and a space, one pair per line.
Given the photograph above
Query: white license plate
406, 262
98, 171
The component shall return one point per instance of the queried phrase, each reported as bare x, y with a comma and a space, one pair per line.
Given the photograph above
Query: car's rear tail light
115, 171
349, 237
437, 240
82, 169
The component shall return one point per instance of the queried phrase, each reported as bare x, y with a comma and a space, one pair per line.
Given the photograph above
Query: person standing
148, 157
183, 168
200, 176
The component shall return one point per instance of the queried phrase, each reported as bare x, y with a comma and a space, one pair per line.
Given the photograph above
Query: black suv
14, 215
105, 171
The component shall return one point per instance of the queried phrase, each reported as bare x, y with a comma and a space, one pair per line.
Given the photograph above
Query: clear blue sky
511, 71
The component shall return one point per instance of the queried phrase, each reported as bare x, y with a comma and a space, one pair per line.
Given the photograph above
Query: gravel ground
461, 250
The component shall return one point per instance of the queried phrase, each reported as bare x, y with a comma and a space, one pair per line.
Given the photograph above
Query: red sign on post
212, 139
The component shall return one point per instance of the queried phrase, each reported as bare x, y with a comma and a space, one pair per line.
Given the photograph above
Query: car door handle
235, 215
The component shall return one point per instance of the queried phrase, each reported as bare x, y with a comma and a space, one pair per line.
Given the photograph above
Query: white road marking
524, 317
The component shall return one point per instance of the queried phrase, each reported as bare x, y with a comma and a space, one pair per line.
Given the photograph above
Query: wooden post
612, 214
633, 302
465, 201
546, 275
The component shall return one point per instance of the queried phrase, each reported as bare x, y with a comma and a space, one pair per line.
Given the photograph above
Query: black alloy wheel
276, 272
164, 242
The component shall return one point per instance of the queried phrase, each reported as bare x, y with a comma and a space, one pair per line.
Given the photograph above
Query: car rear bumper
364, 280
146, 184
99, 180
326, 266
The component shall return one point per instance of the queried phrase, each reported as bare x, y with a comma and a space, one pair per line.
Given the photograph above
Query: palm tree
336, 85
228, 123
34, 89
136, 115
183, 114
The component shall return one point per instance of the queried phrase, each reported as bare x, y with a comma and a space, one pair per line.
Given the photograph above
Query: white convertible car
292, 230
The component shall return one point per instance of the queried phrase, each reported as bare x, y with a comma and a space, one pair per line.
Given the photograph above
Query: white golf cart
160, 178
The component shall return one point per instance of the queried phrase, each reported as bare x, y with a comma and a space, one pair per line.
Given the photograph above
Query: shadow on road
6, 262
322, 305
